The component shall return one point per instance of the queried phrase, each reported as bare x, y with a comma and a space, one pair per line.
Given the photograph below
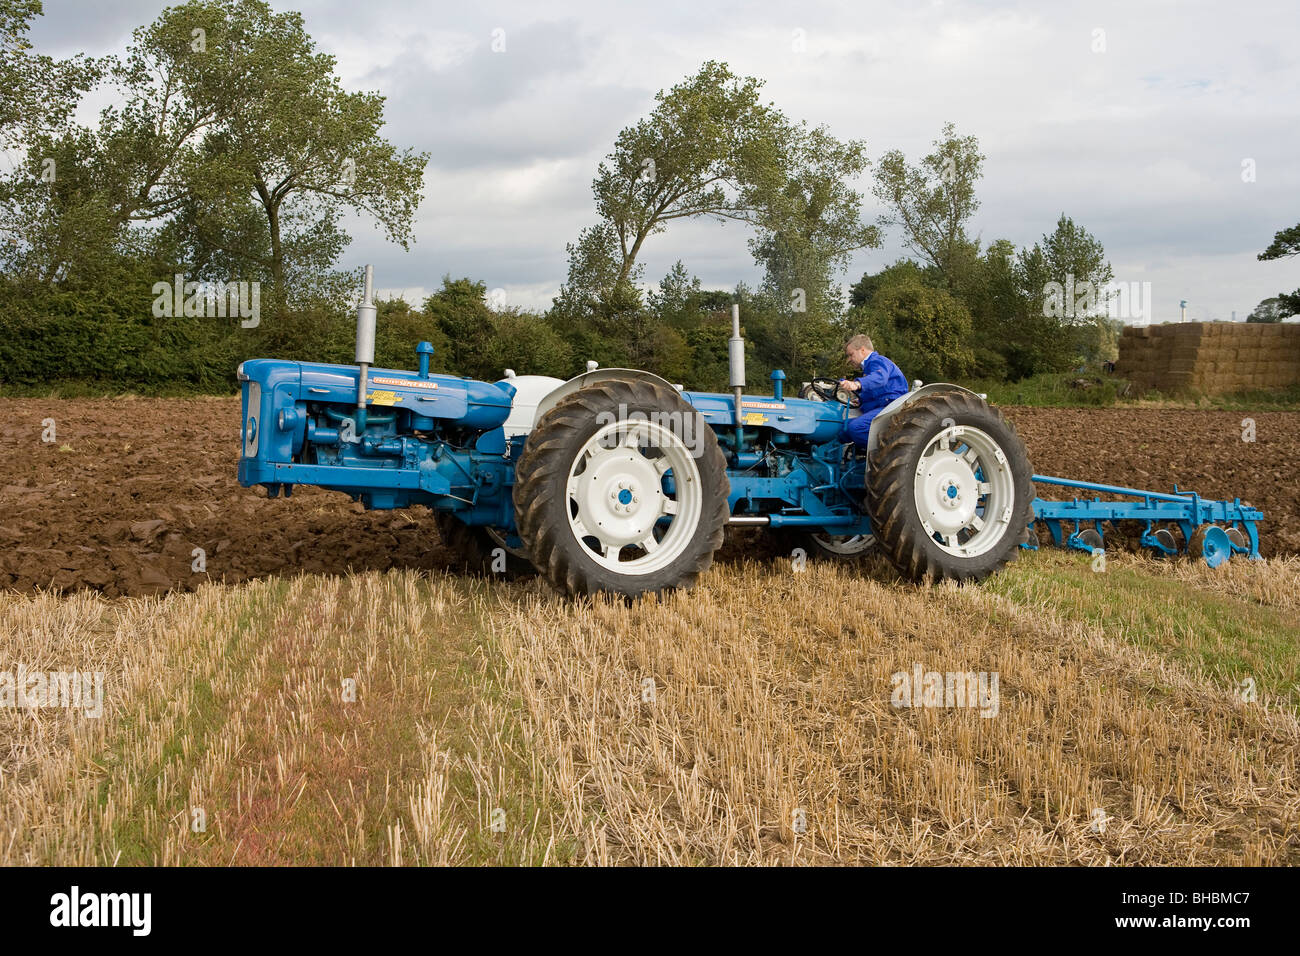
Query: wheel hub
952, 490
620, 496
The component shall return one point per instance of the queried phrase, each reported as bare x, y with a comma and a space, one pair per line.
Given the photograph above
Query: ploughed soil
131, 487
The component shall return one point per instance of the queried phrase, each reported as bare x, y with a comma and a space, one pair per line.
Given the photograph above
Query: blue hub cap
952, 491
1216, 546
625, 497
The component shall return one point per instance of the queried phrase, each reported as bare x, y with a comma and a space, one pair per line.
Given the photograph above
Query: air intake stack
736, 361
365, 355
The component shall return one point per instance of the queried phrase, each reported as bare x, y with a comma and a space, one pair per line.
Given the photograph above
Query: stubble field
329, 691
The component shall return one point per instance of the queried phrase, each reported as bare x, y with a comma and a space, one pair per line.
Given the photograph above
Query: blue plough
1182, 522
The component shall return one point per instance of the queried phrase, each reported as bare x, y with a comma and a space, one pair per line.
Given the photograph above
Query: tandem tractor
618, 481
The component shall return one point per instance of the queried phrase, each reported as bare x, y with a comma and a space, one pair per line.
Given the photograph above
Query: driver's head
858, 348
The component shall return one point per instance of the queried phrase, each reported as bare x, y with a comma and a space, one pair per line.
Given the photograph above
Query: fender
529, 391
591, 378
889, 411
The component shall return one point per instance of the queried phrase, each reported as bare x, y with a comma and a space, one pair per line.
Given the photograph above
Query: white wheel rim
618, 508
965, 491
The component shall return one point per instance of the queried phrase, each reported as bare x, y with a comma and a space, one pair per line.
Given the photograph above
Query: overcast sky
1136, 119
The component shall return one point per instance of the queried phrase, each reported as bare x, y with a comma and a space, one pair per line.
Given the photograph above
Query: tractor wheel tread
890, 484
541, 477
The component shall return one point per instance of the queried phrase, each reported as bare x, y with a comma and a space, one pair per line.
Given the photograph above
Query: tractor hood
276, 393
816, 421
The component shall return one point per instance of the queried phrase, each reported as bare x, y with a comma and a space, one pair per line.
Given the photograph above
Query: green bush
49, 334
924, 330
1053, 390
108, 339
523, 341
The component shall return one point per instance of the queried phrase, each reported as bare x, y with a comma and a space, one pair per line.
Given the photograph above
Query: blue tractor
617, 481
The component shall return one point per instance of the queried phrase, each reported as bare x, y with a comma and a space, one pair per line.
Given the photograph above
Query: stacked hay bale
1183, 344
1139, 359
1210, 357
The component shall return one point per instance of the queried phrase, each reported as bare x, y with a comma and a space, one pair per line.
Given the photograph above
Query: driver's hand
850, 384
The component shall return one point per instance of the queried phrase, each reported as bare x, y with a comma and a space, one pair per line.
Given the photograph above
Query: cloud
1141, 141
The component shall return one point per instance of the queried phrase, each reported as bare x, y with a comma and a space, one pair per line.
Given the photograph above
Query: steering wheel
828, 390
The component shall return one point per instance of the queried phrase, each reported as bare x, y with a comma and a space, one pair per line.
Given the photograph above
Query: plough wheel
482, 550
1210, 543
1091, 537
828, 547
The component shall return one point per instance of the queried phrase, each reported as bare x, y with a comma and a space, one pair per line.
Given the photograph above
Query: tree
1074, 256
476, 341
1269, 310
864, 291
925, 330
808, 229
811, 226
523, 341
691, 326
234, 148
1285, 244
285, 136
39, 91
460, 311
39, 96
1064, 281
685, 159
398, 329
991, 291
598, 286
711, 148
933, 201
674, 302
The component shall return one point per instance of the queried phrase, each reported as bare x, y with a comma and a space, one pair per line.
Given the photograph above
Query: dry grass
1273, 583
231, 700
771, 706
773, 695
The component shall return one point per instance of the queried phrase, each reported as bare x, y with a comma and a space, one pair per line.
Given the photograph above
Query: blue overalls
881, 382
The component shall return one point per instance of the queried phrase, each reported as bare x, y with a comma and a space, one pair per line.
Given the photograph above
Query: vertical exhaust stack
365, 355
736, 361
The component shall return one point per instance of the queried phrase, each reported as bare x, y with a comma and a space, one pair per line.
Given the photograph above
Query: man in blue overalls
880, 383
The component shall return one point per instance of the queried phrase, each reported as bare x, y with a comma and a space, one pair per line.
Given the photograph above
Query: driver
879, 384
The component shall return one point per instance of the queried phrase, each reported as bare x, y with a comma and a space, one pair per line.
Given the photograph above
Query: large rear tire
621, 488
949, 489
